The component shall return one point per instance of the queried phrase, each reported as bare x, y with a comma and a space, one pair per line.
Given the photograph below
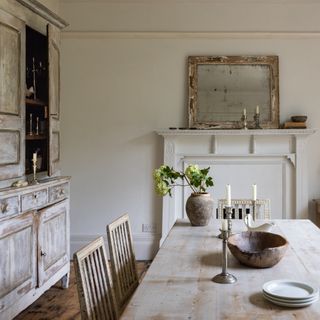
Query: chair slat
95, 286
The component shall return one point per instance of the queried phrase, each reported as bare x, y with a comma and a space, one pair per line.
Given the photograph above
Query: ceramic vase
199, 208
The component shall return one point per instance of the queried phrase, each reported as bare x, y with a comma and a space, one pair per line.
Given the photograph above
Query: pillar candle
257, 110
244, 111
224, 225
34, 156
228, 196
254, 192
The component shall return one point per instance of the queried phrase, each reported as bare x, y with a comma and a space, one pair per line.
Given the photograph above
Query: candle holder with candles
224, 277
34, 161
256, 118
244, 120
229, 222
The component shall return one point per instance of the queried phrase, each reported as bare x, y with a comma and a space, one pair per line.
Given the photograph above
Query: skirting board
146, 245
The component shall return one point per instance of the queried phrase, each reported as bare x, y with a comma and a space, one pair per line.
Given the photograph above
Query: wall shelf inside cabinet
36, 137
36, 103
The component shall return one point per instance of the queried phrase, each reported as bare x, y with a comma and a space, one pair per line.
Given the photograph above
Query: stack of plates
288, 293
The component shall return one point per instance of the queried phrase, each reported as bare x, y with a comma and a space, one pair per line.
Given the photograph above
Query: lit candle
254, 191
228, 191
257, 110
34, 157
224, 225
244, 111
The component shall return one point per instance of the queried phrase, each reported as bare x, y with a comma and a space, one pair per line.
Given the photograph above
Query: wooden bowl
257, 249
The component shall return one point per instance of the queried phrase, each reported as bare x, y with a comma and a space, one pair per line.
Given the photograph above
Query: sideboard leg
65, 281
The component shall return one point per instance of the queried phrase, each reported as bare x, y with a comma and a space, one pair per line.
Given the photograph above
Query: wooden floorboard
59, 303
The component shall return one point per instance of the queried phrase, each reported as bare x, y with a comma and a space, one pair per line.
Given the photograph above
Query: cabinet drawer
34, 200
59, 192
9, 206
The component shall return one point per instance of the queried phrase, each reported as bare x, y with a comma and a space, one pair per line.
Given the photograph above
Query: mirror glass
220, 88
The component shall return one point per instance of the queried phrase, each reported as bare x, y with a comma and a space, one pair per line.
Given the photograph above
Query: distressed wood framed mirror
221, 87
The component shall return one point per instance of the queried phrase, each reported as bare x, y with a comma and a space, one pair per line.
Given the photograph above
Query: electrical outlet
151, 228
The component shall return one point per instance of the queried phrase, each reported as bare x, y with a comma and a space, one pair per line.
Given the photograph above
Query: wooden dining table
178, 283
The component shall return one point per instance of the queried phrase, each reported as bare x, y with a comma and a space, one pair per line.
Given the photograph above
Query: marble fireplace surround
276, 156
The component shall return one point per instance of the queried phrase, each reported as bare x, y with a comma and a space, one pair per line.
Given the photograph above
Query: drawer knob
35, 195
42, 253
4, 207
61, 192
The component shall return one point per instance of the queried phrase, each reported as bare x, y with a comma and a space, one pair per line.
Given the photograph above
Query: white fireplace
273, 159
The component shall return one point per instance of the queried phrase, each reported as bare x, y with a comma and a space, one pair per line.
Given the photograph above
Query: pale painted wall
117, 88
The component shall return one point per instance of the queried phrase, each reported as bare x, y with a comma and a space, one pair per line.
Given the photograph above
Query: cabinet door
54, 99
53, 240
18, 258
12, 83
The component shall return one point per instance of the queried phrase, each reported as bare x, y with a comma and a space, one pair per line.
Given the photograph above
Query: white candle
224, 225
244, 111
34, 157
257, 110
228, 191
254, 192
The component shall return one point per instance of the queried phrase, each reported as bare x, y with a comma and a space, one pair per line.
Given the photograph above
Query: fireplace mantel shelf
250, 132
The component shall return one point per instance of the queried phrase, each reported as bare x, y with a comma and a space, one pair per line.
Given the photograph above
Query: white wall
124, 75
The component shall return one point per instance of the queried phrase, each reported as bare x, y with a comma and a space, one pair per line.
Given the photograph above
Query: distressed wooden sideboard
34, 220
34, 242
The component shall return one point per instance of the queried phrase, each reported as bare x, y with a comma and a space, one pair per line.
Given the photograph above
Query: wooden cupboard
34, 242
29, 89
34, 219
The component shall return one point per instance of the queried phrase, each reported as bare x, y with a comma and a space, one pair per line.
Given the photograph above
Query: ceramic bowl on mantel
299, 118
258, 249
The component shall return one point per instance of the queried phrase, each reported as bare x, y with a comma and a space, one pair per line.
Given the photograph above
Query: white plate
291, 304
289, 289
290, 300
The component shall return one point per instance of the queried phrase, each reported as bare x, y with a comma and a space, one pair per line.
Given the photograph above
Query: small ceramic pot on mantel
199, 208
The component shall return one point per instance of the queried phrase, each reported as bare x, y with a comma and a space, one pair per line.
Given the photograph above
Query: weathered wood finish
258, 249
44, 12
18, 259
53, 240
9, 206
271, 61
12, 81
54, 99
34, 200
34, 243
14, 16
262, 208
95, 287
59, 192
123, 262
178, 283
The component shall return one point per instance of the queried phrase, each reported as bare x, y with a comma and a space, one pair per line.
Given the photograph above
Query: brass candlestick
34, 180
224, 276
256, 118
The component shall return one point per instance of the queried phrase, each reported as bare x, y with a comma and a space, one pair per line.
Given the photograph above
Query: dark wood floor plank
59, 303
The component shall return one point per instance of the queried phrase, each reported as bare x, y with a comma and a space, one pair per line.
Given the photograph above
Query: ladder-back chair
240, 207
122, 258
95, 287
